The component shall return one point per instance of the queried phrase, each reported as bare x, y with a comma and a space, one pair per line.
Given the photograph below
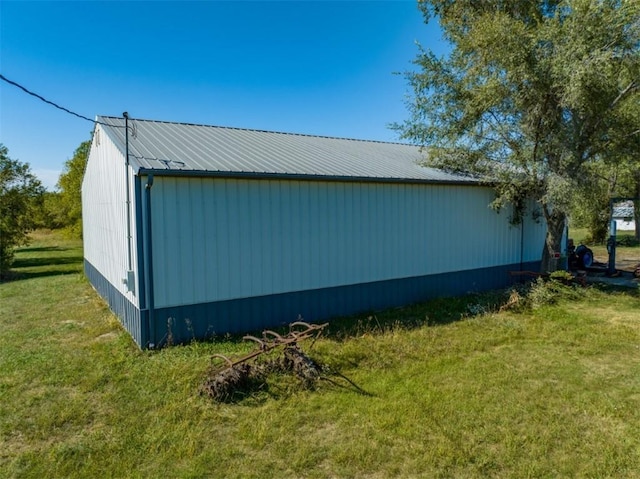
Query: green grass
581, 235
550, 391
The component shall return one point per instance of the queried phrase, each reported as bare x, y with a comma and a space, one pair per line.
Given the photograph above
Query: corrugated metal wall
222, 239
104, 213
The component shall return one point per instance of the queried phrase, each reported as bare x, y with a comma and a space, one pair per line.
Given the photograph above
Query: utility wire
2, 77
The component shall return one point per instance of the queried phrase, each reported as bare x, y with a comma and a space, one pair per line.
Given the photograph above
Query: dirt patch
625, 279
627, 264
107, 336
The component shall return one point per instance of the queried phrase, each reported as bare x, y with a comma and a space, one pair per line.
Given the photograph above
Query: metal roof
623, 210
187, 149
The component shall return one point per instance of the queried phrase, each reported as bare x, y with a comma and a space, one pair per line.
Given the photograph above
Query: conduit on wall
130, 279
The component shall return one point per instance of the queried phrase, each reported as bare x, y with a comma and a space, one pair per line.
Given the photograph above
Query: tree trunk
553, 242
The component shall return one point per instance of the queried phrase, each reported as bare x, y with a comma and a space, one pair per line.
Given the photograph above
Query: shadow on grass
434, 312
43, 262
44, 265
42, 249
606, 288
19, 275
443, 311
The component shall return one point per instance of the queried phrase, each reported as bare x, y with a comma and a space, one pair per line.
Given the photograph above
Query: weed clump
543, 293
559, 286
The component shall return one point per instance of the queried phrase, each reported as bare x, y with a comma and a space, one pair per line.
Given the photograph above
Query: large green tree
634, 175
615, 174
20, 195
531, 93
70, 185
591, 205
50, 216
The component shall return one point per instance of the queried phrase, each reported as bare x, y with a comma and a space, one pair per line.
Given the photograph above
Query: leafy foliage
531, 94
20, 198
50, 215
545, 292
70, 184
591, 206
615, 175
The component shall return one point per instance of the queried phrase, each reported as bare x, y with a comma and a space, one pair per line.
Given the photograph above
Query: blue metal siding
130, 316
140, 245
197, 321
224, 239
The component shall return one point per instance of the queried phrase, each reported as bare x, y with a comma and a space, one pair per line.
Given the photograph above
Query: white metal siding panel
104, 214
220, 239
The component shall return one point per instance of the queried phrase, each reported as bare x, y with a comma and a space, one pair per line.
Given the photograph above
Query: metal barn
192, 231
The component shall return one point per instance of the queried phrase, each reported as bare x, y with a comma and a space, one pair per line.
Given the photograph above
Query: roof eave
303, 177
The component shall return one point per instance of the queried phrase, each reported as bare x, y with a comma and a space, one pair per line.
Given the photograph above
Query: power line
2, 77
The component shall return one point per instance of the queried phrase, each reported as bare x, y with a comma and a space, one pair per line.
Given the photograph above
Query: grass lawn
546, 391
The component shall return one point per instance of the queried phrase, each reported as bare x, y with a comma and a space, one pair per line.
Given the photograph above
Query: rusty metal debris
237, 375
305, 368
298, 331
227, 383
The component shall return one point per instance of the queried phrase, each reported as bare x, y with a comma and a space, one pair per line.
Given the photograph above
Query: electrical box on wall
130, 281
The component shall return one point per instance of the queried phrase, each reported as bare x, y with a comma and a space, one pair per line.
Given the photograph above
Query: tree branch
630, 88
627, 90
632, 133
507, 141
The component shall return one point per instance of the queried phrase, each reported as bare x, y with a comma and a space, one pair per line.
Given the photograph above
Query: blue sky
321, 68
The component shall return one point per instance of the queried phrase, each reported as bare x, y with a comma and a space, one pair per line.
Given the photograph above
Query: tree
591, 206
50, 216
532, 93
20, 194
70, 184
592, 203
614, 176
633, 175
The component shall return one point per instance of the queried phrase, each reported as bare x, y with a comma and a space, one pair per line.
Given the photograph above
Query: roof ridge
308, 135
